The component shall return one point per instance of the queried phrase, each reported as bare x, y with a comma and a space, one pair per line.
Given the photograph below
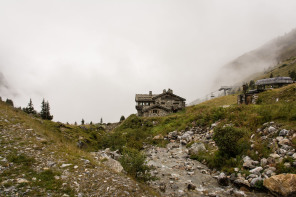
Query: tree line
45, 110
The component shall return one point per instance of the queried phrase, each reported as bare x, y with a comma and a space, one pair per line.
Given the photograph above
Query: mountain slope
269, 55
36, 160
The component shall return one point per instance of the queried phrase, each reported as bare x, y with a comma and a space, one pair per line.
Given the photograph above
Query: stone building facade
151, 105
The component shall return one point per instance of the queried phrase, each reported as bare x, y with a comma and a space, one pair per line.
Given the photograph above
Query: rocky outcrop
283, 184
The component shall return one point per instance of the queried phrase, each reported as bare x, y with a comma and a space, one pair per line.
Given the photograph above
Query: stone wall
150, 113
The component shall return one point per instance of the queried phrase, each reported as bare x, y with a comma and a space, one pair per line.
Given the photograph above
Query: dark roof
274, 81
148, 97
158, 107
144, 97
169, 93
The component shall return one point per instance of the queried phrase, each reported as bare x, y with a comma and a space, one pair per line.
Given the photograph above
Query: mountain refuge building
151, 105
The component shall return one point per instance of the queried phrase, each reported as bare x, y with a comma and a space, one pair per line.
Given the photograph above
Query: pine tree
75, 123
122, 118
45, 111
252, 84
101, 121
30, 108
82, 122
91, 123
9, 102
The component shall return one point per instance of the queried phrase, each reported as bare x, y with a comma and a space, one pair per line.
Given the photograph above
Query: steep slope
269, 55
36, 160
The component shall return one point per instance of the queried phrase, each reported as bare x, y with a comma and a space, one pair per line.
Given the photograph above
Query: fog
90, 58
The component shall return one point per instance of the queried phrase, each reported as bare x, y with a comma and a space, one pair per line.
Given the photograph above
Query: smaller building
150, 105
250, 97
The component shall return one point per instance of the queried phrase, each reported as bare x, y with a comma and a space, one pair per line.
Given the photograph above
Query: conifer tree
122, 118
30, 108
82, 122
101, 121
45, 111
271, 75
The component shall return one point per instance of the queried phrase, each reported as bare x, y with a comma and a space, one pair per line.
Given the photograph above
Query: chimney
150, 93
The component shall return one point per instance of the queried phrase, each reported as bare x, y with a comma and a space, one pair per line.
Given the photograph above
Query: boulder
196, 148
283, 184
113, 164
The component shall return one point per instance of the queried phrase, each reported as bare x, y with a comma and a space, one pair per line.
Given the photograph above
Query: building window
155, 111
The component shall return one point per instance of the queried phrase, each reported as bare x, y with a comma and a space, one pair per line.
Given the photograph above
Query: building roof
274, 81
148, 97
144, 97
160, 95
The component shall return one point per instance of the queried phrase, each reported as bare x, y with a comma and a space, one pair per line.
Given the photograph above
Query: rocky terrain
32, 163
178, 175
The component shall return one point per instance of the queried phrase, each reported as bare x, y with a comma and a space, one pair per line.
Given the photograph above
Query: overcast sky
90, 58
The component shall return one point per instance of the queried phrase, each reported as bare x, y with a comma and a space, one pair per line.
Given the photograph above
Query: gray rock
263, 162
284, 132
275, 156
271, 129
196, 148
255, 181
256, 170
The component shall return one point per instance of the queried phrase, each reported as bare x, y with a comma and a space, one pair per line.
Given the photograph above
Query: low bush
231, 141
133, 162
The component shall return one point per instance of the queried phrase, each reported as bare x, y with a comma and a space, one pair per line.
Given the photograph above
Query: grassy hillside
41, 158
277, 105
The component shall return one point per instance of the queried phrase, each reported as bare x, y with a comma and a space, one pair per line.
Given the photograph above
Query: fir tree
91, 123
252, 84
30, 108
9, 102
82, 122
101, 121
45, 111
122, 118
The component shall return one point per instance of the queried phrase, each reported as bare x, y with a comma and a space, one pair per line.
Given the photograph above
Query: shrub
231, 140
133, 162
